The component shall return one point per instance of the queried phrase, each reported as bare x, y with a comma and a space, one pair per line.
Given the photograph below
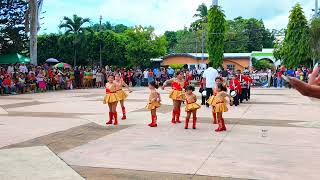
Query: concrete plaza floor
62, 135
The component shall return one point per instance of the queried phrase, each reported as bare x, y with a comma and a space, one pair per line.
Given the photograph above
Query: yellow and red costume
191, 105
111, 94
111, 97
176, 95
177, 91
219, 105
154, 103
122, 96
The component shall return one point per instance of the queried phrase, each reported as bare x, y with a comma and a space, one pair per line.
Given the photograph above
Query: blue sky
166, 14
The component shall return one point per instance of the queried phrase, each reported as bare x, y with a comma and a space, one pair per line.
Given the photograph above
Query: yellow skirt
122, 95
110, 98
153, 105
192, 106
211, 101
176, 95
220, 107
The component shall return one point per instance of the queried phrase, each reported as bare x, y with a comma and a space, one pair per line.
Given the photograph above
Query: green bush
176, 66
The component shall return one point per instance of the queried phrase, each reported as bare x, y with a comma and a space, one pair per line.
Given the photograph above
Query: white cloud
167, 14
162, 14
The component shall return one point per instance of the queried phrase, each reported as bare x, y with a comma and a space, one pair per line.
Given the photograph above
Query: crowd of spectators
26, 78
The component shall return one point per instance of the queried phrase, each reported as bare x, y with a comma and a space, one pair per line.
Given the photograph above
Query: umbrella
52, 60
62, 65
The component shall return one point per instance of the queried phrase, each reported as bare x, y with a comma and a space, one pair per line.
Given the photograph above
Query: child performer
220, 106
154, 103
111, 98
177, 84
121, 94
219, 80
191, 106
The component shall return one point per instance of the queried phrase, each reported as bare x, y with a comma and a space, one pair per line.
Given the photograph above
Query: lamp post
100, 46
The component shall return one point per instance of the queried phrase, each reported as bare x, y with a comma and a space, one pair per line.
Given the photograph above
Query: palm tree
75, 27
202, 15
202, 12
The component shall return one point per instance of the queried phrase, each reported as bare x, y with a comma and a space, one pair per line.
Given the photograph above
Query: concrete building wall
237, 63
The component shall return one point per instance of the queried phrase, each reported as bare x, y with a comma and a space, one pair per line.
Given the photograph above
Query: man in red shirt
234, 85
248, 81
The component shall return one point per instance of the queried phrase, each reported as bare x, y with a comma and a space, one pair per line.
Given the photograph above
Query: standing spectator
280, 82
99, 77
77, 77
209, 76
41, 82
150, 76
10, 69
145, 77
170, 72
224, 74
23, 68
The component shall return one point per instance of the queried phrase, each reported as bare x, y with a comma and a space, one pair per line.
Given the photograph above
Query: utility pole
33, 5
316, 8
100, 43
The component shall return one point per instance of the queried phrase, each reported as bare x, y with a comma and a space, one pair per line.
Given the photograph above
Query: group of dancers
181, 93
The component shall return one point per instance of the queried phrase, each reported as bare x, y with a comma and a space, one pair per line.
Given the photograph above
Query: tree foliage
127, 47
295, 49
262, 64
216, 35
315, 38
13, 37
142, 45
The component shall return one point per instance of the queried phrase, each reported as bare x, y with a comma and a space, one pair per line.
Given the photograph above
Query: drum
204, 93
233, 94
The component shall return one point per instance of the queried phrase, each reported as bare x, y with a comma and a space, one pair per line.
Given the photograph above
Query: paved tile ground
62, 135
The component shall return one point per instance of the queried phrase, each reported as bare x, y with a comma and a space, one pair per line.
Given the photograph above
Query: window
232, 67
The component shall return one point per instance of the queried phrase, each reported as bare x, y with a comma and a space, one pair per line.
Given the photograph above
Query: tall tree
74, 26
315, 38
295, 49
216, 35
12, 28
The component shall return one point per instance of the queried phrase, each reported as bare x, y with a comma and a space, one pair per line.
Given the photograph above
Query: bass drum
233, 94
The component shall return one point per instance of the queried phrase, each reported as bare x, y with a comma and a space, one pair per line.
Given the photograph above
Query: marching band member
111, 98
248, 81
235, 86
244, 88
121, 94
220, 106
191, 106
154, 103
177, 85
